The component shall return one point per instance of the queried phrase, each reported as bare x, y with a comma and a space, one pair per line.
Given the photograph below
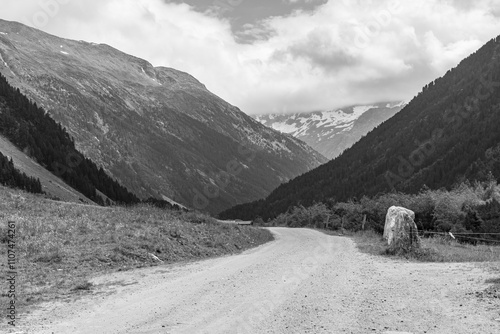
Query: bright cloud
344, 52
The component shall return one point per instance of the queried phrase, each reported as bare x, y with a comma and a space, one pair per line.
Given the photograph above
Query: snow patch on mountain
5, 64
100, 123
396, 105
330, 132
301, 124
3, 61
286, 128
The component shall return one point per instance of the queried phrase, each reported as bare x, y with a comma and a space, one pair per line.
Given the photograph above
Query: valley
158, 131
445, 136
250, 167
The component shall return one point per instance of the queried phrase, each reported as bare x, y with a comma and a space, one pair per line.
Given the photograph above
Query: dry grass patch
61, 246
449, 250
437, 249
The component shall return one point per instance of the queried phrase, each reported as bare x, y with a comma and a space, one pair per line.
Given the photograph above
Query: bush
423, 205
352, 214
258, 222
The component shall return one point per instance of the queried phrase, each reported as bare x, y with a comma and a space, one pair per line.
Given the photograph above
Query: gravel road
304, 282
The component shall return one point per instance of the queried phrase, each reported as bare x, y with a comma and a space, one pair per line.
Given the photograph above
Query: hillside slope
51, 184
448, 133
158, 131
332, 132
34, 132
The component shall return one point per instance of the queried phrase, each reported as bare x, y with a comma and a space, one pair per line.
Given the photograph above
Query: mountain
448, 133
31, 129
157, 130
332, 132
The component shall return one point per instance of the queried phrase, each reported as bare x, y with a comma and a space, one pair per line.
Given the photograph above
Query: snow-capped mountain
331, 132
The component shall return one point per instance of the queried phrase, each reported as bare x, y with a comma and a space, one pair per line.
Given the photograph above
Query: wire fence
464, 235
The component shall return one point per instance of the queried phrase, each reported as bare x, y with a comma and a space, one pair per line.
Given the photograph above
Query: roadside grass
60, 246
436, 249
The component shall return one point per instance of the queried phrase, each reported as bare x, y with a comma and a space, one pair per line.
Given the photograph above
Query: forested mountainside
33, 131
156, 130
448, 133
332, 132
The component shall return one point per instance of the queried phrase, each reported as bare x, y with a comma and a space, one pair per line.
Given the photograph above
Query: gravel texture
304, 282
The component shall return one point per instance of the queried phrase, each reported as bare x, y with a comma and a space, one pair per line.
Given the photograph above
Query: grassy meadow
60, 246
434, 249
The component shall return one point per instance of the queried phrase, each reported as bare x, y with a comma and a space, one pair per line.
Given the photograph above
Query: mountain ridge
157, 130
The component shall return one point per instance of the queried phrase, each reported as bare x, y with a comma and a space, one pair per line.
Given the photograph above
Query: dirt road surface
304, 282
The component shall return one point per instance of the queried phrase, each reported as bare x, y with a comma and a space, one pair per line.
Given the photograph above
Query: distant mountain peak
331, 132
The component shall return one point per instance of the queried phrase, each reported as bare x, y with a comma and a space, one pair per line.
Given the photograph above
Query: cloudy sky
282, 55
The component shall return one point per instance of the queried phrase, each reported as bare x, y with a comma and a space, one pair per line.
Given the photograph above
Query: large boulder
400, 227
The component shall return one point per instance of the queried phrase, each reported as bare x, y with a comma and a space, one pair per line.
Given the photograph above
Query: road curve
304, 282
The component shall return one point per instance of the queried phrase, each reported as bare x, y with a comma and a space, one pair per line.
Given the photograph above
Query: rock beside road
400, 227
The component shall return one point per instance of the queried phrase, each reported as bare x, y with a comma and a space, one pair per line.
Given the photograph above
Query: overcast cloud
317, 58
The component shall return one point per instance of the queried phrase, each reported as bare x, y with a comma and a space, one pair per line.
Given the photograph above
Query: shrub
258, 222
352, 213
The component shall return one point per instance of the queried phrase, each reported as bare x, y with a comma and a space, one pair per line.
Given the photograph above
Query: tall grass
434, 249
